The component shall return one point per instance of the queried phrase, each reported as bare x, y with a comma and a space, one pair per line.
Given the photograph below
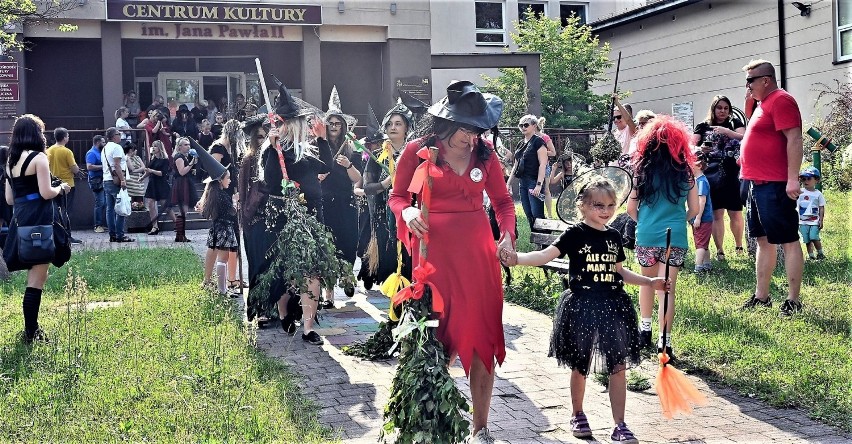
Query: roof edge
633, 15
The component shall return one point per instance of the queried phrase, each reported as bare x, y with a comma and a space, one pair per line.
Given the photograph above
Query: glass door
179, 88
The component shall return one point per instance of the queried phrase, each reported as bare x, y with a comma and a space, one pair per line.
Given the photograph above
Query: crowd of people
359, 195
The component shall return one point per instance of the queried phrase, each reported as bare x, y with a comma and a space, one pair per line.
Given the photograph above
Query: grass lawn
163, 361
804, 361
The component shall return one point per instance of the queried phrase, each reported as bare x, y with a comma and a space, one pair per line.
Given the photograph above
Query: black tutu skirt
222, 236
595, 331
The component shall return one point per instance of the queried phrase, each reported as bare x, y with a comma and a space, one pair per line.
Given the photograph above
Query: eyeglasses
524, 125
335, 124
616, 117
468, 132
600, 208
749, 80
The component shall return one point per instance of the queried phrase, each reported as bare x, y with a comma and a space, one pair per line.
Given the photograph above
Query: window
490, 23
843, 32
566, 9
539, 9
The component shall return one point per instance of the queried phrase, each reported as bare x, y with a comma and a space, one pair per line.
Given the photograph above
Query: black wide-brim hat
290, 107
213, 167
465, 104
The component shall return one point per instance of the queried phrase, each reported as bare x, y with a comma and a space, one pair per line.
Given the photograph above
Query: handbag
96, 183
35, 244
122, 203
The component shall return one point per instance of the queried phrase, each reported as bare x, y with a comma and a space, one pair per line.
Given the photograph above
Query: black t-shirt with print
592, 256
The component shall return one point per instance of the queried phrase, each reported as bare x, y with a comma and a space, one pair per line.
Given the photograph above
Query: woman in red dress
461, 246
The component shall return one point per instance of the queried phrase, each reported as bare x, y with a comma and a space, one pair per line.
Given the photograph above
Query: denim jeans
100, 205
115, 223
533, 207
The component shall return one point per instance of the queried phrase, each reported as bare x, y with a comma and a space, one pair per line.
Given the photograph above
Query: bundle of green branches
304, 247
377, 346
606, 150
425, 405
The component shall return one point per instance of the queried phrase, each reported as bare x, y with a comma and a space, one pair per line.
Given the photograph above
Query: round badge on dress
476, 175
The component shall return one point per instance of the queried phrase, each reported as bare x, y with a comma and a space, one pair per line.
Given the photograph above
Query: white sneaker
483, 436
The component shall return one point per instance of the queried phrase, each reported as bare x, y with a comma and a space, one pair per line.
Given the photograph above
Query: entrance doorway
187, 88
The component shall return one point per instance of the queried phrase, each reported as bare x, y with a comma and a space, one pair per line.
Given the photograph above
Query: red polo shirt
764, 147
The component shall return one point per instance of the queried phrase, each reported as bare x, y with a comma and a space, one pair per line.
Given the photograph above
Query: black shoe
669, 352
326, 304
75, 241
288, 325
789, 307
38, 335
753, 302
124, 239
312, 338
349, 290
154, 231
113, 239
645, 340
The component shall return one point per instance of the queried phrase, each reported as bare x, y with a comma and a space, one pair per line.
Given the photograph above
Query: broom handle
666, 294
614, 90
424, 203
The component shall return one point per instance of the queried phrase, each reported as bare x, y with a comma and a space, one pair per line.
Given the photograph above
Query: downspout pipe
782, 47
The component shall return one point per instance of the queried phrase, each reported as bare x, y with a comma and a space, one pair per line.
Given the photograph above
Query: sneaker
313, 338
645, 340
753, 302
669, 353
623, 435
99, 229
75, 241
788, 307
38, 335
483, 436
720, 256
820, 256
326, 304
580, 426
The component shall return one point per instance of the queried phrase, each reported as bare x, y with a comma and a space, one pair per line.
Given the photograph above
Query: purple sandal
622, 434
580, 426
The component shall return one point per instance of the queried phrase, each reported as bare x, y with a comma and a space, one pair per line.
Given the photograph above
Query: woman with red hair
663, 196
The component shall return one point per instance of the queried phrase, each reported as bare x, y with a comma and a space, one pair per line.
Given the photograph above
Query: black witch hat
465, 104
290, 107
213, 167
415, 105
375, 134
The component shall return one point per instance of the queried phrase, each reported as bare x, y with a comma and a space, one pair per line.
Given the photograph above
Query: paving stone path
531, 402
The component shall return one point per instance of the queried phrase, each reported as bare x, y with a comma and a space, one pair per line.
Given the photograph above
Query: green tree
16, 13
572, 59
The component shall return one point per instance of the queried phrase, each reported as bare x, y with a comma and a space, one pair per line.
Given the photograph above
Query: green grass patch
166, 362
804, 361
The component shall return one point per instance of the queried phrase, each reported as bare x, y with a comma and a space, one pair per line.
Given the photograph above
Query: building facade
190, 50
677, 55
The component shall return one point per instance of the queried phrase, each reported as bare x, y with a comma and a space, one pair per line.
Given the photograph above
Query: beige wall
702, 51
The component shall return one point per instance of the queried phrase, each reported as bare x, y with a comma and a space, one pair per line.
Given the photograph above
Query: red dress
462, 250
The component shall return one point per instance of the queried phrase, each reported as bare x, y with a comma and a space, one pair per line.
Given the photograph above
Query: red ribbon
417, 289
423, 171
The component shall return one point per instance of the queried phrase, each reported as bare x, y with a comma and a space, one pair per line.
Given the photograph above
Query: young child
811, 204
595, 324
663, 183
217, 205
702, 225
205, 137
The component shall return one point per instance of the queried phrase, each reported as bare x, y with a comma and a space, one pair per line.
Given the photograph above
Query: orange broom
676, 392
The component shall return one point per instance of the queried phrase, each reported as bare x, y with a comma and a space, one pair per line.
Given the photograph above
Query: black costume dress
340, 205
261, 231
595, 327
723, 171
382, 228
222, 234
158, 186
183, 187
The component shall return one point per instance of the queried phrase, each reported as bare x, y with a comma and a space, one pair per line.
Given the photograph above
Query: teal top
654, 218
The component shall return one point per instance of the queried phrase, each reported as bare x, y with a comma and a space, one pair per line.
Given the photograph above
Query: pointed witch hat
375, 133
215, 169
290, 107
334, 109
403, 111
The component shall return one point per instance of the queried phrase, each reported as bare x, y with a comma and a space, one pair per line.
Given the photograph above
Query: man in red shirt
770, 159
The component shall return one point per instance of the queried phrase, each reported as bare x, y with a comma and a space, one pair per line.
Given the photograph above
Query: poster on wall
684, 112
418, 87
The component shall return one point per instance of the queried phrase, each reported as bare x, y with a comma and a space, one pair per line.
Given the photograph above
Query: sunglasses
616, 117
524, 125
749, 80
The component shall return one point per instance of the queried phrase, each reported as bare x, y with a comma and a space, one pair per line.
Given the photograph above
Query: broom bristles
372, 254
676, 393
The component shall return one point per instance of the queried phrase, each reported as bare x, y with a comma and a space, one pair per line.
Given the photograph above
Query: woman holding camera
184, 195
29, 188
719, 137
157, 128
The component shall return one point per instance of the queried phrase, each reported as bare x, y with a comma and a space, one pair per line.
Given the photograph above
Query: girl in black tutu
595, 327
217, 205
